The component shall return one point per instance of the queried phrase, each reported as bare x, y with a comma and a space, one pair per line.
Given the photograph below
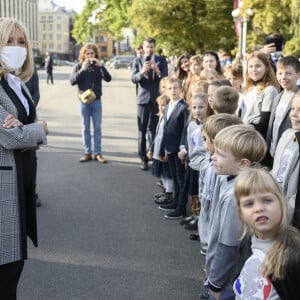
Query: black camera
148, 58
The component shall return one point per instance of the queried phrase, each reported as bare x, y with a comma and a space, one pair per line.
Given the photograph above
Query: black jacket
173, 128
90, 79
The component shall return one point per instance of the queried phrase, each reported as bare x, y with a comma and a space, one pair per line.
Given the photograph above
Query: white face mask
13, 57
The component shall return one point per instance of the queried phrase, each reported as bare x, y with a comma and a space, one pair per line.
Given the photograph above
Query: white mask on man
13, 57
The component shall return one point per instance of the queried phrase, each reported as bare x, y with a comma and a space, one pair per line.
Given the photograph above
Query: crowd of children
228, 139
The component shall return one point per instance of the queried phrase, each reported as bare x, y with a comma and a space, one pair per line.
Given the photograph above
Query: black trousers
49, 76
177, 172
9, 278
147, 120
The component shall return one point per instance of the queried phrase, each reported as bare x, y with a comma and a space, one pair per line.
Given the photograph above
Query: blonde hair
204, 74
200, 86
162, 85
171, 80
7, 27
196, 59
199, 96
225, 99
83, 50
269, 77
242, 141
253, 181
213, 124
163, 99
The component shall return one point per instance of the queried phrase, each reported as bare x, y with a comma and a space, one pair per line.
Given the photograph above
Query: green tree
113, 17
271, 16
190, 25
178, 26
83, 28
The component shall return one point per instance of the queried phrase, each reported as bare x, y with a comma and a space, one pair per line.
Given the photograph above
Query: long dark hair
215, 55
181, 74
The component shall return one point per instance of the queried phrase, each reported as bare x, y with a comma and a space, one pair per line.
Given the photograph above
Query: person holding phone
274, 44
147, 72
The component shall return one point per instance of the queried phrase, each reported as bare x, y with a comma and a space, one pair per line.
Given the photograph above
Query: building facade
54, 33
25, 11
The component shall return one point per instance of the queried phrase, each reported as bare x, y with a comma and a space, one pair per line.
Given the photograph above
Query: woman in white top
259, 92
20, 135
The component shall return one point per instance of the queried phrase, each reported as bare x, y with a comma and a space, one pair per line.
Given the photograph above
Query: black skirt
160, 169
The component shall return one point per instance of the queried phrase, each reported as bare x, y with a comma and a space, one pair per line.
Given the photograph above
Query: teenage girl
211, 61
194, 76
269, 257
260, 89
160, 169
183, 67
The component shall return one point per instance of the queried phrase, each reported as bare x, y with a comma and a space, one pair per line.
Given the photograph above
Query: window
103, 38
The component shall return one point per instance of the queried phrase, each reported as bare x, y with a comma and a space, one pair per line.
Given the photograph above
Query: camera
91, 61
148, 58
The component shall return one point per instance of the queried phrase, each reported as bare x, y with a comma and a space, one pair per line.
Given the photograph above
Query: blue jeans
91, 111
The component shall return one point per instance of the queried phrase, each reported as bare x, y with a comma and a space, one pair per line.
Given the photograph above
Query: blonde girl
161, 169
269, 257
196, 67
260, 89
209, 75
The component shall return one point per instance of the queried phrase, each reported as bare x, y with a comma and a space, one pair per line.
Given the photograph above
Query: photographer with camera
88, 75
146, 73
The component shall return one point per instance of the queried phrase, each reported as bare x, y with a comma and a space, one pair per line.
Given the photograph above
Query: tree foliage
83, 27
270, 16
190, 25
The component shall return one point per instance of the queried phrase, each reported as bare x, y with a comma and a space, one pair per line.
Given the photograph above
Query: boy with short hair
288, 72
225, 100
207, 175
236, 147
175, 116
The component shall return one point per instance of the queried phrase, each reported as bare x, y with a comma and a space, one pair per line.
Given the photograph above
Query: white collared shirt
171, 107
15, 83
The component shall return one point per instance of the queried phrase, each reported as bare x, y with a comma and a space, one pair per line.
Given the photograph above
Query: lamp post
241, 17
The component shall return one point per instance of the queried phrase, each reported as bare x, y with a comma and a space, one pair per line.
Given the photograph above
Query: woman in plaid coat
20, 135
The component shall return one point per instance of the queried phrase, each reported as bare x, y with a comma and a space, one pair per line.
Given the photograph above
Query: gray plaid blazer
13, 222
